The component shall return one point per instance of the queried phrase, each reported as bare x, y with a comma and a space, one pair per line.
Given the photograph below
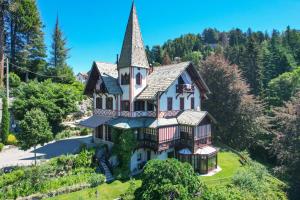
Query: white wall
139, 88
171, 92
134, 162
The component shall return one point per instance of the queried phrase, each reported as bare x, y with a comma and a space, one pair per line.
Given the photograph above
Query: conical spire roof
133, 52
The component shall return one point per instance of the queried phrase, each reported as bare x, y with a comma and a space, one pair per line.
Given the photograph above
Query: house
162, 105
82, 77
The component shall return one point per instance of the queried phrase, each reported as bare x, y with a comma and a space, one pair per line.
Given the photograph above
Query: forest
254, 77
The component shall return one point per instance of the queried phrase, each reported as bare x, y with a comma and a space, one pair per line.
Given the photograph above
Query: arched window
138, 79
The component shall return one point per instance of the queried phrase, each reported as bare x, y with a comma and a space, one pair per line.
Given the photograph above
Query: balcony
185, 88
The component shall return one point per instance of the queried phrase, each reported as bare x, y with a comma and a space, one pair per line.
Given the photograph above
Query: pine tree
27, 46
59, 51
59, 56
166, 59
5, 120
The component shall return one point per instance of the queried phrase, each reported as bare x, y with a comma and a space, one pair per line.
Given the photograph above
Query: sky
95, 28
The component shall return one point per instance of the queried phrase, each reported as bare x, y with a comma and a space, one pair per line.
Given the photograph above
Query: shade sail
94, 121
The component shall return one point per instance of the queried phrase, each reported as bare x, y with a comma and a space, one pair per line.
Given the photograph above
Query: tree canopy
169, 179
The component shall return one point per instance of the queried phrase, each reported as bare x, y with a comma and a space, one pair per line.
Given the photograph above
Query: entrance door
148, 155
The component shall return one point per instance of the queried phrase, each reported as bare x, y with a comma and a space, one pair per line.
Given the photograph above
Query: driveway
16, 157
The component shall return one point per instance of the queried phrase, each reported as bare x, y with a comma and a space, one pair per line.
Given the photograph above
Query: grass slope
105, 192
228, 161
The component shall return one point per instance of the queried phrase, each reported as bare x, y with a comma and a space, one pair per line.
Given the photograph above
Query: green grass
105, 192
228, 161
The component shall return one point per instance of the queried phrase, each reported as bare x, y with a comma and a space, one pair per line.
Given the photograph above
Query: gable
164, 76
108, 74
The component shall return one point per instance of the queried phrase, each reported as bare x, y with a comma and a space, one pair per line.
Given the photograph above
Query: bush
84, 131
1, 146
96, 179
11, 139
63, 134
84, 159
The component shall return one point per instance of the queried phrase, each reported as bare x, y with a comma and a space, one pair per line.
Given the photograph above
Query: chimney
117, 62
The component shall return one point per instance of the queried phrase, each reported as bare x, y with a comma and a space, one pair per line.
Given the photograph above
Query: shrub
96, 179
11, 139
1, 146
83, 159
63, 134
162, 179
84, 131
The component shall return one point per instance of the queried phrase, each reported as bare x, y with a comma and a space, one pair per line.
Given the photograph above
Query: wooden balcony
185, 88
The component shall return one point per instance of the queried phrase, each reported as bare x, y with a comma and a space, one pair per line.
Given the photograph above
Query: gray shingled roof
133, 52
109, 76
94, 121
161, 79
141, 122
193, 118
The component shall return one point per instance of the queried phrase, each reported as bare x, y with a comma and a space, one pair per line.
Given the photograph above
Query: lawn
228, 161
105, 192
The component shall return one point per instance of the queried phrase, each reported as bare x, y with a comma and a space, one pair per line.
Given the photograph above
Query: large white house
161, 104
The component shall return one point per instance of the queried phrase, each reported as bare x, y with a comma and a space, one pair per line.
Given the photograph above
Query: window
109, 103
139, 106
138, 79
99, 102
192, 103
180, 80
125, 78
150, 106
99, 132
181, 103
170, 103
125, 106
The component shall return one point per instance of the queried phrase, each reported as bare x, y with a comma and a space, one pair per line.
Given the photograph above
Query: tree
166, 59
35, 130
236, 112
5, 120
27, 48
286, 144
283, 87
194, 56
59, 56
56, 100
210, 36
169, 179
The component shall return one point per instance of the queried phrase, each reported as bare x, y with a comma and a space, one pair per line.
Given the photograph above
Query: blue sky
95, 28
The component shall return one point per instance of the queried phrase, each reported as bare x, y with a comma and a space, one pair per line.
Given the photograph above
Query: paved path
14, 156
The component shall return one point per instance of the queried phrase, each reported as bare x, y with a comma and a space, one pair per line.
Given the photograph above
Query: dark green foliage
54, 99
164, 179
27, 46
5, 121
236, 111
59, 56
35, 129
84, 159
124, 144
210, 36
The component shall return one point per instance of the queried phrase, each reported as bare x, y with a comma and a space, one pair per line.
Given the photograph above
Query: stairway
107, 172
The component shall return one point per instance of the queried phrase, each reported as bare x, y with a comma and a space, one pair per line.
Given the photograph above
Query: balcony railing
185, 88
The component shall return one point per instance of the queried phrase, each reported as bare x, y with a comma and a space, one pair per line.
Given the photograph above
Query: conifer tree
27, 48
5, 120
59, 56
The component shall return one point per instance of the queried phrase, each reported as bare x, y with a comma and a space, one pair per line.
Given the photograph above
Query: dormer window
138, 78
125, 78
